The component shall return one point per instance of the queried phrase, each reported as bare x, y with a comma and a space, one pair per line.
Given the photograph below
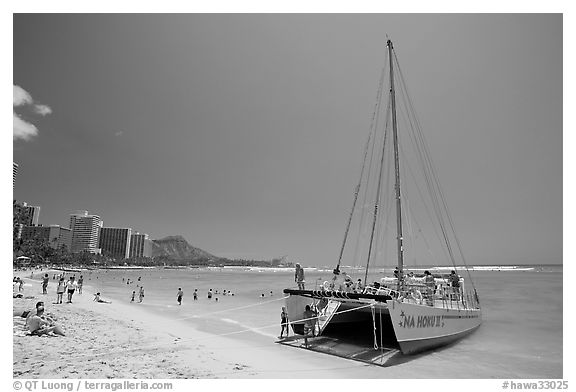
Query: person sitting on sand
98, 299
39, 325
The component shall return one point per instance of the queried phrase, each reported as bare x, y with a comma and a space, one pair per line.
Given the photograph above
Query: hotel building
115, 242
85, 232
140, 246
54, 235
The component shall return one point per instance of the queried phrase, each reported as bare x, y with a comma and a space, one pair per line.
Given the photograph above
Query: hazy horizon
244, 133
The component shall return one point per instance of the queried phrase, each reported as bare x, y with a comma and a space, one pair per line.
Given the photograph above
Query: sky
244, 133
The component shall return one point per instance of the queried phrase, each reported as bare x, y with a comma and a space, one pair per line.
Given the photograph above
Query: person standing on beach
299, 276
309, 318
60, 290
45, 284
179, 296
133, 295
141, 294
71, 286
210, 294
284, 322
80, 283
195, 294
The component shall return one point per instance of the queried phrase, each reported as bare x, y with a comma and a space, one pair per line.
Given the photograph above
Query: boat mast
396, 169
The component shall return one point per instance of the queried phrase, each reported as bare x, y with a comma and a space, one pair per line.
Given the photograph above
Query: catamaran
414, 312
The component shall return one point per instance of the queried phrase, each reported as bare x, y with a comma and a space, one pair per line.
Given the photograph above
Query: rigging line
416, 182
357, 190
230, 309
386, 205
378, 190
432, 178
361, 227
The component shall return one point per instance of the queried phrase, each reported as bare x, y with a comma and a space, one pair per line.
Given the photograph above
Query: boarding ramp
325, 315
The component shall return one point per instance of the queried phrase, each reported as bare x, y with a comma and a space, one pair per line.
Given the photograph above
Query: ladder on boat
325, 315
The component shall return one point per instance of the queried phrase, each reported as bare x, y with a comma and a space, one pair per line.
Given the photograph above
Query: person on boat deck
347, 287
299, 276
309, 318
454, 279
396, 273
430, 286
429, 281
359, 286
410, 278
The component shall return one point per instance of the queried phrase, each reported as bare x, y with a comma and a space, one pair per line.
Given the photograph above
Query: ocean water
520, 337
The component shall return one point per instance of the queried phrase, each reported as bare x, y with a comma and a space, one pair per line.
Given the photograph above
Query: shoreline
100, 337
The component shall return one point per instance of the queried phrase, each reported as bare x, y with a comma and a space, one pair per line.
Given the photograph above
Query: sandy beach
124, 341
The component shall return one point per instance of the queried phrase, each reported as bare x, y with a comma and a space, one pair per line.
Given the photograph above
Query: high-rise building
115, 242
14, 173
85, 232
24, 215
33, 213
140, 246
54, 235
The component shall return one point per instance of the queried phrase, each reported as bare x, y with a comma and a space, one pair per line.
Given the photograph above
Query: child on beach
45, 284
60, 290
80, 283
133, 295
141, 294
284, 322
179, 296
195, 294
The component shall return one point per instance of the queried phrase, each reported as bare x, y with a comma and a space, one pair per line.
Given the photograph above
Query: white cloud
23, 130
21, 96
119, 133
42, 109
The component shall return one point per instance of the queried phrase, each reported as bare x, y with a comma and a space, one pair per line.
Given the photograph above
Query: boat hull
412, 327
421, 327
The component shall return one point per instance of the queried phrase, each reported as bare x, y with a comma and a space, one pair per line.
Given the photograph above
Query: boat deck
383, 356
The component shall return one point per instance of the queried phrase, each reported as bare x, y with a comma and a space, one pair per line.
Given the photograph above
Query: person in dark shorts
71, 286
309, 317
179, 296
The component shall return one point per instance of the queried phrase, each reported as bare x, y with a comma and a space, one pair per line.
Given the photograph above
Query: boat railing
439, 293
